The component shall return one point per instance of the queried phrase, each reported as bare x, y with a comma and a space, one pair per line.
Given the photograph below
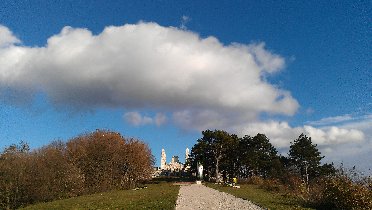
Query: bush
346, 189
272, 185
52, 175
342, 193
294, 184
14, 176
93, 162
257, 180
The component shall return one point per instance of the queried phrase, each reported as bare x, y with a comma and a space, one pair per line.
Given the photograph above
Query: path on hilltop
196, 196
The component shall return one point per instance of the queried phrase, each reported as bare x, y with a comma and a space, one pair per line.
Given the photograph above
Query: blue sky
162, 71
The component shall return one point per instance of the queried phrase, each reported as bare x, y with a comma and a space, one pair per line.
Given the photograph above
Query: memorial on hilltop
174, 167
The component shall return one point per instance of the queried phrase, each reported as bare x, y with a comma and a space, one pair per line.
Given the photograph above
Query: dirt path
201, 197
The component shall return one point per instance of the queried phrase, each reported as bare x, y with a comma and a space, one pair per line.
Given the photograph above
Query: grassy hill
163, 195
156, 196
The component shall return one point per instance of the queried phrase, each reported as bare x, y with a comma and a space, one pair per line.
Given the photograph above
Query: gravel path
196, 196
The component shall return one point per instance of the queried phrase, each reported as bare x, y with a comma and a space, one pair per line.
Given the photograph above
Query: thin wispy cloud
136, 119
331, 120
184, 20
340, 120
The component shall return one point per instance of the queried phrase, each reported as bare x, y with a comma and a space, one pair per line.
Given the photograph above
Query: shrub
14, 176
94, 162
342, 193
272, 185
257, 180
108, 161
52, 175
294, 184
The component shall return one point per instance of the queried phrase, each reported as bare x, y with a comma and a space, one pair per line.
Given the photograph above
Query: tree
230, 162
14, 167
304, 156
52, 175
94, 162
211, 150
109, 161
138, 163
327, 169
259, 157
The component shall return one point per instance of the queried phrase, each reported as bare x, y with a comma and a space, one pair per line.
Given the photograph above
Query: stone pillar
187, 153
163, 160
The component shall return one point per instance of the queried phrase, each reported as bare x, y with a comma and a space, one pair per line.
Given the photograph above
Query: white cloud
349, 142
266, 60
281, 133
136, 119
146, 66
331, 120
7, 38
334, 135
203, 83
355, 153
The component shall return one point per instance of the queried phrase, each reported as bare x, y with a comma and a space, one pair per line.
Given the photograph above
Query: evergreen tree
305, 157
259, 156
213, 151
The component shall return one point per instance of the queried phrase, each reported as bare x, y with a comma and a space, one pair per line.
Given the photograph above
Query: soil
196, 196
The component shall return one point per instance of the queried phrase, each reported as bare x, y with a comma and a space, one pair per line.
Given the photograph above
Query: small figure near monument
235, 181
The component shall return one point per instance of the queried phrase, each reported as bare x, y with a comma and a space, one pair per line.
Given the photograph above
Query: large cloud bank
149, 66
200, 82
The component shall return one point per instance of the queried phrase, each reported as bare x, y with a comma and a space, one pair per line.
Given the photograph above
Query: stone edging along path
197, 196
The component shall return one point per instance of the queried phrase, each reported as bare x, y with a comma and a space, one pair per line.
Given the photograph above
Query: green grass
264, 198
160, 195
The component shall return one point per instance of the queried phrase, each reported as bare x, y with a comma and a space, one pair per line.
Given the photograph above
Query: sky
163, 71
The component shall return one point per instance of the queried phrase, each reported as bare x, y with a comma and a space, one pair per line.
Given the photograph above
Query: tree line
89, 163
225, 156
255, 160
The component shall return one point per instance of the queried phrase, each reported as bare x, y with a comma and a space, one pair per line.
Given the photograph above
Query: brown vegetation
89, 163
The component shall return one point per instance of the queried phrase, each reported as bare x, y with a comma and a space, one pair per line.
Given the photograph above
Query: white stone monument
187, 153
163, 161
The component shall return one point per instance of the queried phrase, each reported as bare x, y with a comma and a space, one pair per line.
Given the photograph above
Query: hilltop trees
225, 154
255, 160
93, 162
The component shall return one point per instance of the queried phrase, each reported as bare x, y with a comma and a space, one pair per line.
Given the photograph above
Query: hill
160, 195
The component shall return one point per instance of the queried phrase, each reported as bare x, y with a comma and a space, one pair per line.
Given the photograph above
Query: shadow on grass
261, 197
171, 179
